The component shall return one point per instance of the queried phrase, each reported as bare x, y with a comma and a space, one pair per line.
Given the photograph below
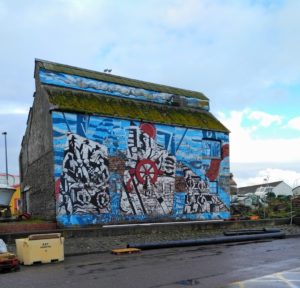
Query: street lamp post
6, 166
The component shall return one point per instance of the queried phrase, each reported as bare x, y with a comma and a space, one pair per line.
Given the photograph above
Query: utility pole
6, 166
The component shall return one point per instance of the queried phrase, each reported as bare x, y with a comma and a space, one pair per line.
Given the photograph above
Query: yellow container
40, 248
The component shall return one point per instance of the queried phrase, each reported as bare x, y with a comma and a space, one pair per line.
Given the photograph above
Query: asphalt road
206, 266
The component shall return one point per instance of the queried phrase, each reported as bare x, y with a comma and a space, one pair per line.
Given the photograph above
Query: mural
109, 170
149, 178
84, 178
107, 88
199, 198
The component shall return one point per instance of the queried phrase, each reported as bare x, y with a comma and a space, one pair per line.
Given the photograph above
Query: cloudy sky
243, 55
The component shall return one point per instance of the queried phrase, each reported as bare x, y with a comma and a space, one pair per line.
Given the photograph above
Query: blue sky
243, 55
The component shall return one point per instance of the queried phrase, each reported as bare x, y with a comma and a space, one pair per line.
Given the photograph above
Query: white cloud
253, 158
233, 51
10, 109
288, 176
265, 118
248, 148
294, 123
78, 10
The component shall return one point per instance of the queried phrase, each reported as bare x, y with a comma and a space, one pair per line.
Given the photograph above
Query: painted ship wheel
146, 168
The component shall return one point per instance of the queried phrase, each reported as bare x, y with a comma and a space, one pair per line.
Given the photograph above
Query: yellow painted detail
125, 251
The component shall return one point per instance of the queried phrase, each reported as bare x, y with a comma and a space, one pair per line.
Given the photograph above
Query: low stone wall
190, 226
21, 227
16, 229
104, 238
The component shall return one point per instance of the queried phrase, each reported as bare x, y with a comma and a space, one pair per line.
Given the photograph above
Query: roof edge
63, 94
40, 63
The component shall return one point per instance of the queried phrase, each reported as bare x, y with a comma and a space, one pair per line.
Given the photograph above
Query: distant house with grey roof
278, 188
100, 148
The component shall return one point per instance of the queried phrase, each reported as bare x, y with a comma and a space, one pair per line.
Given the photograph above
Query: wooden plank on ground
125, 251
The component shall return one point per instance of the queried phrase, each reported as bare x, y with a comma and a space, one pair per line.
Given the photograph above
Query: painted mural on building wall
149, 176
113, 89
84, 179
110, 170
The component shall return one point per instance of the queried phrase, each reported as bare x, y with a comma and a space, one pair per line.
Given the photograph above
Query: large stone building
100, 148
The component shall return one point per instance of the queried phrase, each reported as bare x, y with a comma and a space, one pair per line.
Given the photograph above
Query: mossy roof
56, 67
89, 103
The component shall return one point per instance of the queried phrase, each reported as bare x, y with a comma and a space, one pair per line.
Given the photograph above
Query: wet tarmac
284, 279
211, 266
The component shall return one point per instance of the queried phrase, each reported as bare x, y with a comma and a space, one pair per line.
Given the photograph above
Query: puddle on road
189, 282
89, 264
245, 243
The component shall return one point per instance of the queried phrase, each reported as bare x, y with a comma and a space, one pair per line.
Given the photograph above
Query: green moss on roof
88, 103
117, 79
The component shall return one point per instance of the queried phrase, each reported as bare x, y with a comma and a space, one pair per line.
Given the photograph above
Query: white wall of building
283, 189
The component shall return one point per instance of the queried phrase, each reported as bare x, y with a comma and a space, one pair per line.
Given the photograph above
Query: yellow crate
40, 248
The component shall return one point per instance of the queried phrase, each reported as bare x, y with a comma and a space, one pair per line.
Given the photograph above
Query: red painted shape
225, 151
128, 185
131, 171
57, 185
146, 167
148, 129
214, 167
213, 170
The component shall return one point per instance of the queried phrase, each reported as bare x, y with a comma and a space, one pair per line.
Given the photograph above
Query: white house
278, 188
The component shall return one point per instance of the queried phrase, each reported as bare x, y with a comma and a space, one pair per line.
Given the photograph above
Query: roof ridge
259, 185
114, 78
